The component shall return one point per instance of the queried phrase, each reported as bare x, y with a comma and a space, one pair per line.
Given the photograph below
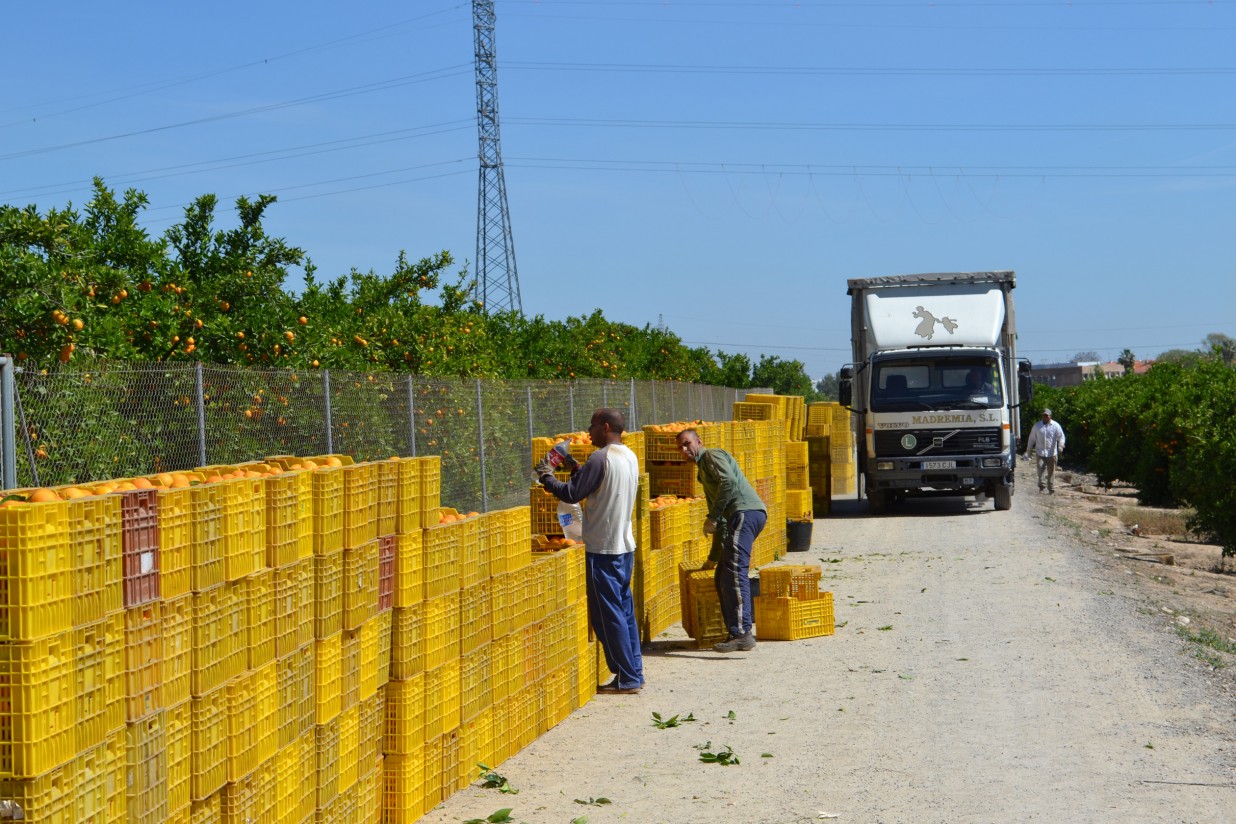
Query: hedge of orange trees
88, 283
1170, 432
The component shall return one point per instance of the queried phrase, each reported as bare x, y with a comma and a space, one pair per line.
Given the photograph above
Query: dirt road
989, 669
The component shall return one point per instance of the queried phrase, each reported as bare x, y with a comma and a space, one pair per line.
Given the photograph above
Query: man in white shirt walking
1047, 441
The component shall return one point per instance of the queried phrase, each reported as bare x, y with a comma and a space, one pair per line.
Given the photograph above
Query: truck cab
936, 402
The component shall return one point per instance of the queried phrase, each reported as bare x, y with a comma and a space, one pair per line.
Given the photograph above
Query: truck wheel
1003, 498
878, 500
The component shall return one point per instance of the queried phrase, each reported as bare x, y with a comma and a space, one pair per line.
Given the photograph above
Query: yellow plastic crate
360, 584
289, 762
409, 569
327, 684
242, 733
218, 638
370, 634
99, 773
95, 548
143, 660
210, 810
327, 757
475, 681
208, 758
372, 729
177, 670
327, 516
250, 797
369, 793
146, 768
405, 715
293, 606
349, 669
266, 711
327, 595
36, 571
244, 526
287, 521
49, 797
430, 489
791, 581
386, 478
384, 621
408, 497
475, 623
441, 630
789, 619
349, 747
259, 595
403, 787
39, 710
440, 559
442, 698
297, 703
360, 504
206, 536
407, 647
798, 504
179, 735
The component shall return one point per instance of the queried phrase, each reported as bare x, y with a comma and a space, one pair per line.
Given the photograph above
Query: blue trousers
611, 609
733, 570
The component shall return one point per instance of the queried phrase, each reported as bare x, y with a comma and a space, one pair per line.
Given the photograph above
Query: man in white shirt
1047, 441
606, 486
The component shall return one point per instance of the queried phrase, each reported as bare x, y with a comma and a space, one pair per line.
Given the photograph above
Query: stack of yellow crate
843, 473
791, 606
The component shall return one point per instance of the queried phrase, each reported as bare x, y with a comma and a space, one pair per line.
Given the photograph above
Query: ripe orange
72, 492
142, 483
42, 496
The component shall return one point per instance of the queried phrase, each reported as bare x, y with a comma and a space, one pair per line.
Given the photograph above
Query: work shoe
612, 688
736, 643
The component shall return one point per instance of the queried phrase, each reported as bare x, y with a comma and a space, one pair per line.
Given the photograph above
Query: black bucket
798, 535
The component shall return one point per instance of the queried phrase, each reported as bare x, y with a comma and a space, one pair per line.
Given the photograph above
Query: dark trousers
733, 570
611, 609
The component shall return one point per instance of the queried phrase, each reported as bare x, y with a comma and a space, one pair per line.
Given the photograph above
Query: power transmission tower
497, 280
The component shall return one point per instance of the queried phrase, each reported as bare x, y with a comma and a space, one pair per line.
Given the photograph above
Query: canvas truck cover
950, 309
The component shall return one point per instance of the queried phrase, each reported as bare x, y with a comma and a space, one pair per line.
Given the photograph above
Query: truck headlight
884, 466
993, 462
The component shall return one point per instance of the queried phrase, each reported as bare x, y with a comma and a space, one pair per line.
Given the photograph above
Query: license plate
939, 464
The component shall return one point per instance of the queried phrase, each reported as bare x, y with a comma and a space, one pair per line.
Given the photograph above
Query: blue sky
721, 166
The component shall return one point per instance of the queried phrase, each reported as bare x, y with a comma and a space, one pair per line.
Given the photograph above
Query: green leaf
732, 716
885, 628
766, 755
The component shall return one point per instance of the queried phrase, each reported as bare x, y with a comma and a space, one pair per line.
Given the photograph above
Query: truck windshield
914, 384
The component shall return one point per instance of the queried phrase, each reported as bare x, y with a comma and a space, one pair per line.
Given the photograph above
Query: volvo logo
908, 442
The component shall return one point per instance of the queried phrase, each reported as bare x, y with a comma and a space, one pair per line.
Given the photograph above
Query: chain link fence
75, 424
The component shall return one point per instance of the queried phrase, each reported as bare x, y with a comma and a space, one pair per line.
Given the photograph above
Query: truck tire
877, 499
1003, 498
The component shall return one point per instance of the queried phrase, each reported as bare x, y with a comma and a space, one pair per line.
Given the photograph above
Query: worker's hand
709, 565
545, 477
544, 468
710, 526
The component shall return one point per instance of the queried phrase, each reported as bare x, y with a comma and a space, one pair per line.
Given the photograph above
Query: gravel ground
986, 668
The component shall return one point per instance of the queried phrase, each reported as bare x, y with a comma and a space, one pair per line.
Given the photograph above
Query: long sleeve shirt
1046, 441
605, 487
728, 491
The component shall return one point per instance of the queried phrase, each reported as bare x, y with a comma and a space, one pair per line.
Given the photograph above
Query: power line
159, 86
870, 127
857, 71
366, 88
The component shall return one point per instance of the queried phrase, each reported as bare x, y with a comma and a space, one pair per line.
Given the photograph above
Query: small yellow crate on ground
789, 619
791, 581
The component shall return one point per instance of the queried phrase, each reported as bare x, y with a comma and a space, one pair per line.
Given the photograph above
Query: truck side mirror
1025, 388
845, 390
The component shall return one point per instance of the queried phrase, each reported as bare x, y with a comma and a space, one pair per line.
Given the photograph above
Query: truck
935, 386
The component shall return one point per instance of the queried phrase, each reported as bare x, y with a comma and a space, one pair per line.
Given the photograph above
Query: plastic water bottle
560, 456
571, 517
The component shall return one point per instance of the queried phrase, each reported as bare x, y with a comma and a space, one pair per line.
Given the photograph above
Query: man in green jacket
736, 516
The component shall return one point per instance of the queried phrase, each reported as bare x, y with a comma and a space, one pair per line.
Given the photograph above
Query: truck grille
888, 443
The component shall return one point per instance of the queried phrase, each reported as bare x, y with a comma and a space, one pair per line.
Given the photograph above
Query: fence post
571, 402
652, 390
201, 414
673, 401
531, 435
634, 417
330, 429
8, 443
480, 438
412, 416
605, 393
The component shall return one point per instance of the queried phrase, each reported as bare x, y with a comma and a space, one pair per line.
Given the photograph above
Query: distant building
1074, 374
